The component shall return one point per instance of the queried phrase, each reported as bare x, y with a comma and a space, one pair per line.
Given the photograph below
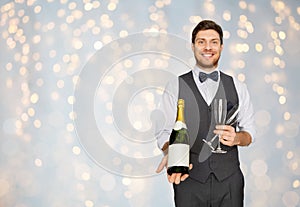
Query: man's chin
207, 66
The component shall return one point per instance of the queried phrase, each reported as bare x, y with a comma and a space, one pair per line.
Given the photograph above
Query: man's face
207, 49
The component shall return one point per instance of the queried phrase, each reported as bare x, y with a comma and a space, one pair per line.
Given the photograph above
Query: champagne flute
230, 121
220, 110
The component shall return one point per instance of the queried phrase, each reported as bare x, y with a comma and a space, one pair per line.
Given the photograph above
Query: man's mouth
207, 55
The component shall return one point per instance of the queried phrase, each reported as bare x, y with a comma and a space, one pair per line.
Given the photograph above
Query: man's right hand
175, 177
178, 177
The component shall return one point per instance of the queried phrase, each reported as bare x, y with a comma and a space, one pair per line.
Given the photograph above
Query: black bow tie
204, 76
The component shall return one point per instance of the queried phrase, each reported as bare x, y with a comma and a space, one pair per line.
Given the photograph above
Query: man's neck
206, 70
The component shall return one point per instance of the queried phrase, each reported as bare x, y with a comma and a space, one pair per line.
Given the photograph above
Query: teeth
207, 55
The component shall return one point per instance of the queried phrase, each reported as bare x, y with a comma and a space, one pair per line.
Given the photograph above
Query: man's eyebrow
202, 38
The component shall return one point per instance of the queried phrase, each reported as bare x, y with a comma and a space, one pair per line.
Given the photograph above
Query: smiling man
217, 180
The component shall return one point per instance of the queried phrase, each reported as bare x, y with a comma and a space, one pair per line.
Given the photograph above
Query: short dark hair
205, 25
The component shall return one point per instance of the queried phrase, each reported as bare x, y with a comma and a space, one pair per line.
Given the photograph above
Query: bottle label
178, 155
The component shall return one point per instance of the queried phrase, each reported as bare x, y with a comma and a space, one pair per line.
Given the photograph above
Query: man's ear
193, 47
222, 46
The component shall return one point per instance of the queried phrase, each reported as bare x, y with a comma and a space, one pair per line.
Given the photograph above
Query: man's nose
207, 46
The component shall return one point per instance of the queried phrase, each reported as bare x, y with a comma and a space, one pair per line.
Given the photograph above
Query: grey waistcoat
198, 119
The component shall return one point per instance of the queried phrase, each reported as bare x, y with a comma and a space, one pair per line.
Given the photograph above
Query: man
214, 180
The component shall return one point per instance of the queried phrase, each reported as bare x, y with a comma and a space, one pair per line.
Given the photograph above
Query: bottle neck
180, 113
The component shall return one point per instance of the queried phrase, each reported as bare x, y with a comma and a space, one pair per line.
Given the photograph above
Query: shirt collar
197, 70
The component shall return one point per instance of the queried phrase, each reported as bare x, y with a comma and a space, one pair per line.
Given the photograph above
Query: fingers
227, 134
185, 176
172, 177
228, 139
225, 128
162, 164
225, 142
177, 178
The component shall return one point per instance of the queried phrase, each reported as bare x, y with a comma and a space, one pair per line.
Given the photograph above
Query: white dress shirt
208, 90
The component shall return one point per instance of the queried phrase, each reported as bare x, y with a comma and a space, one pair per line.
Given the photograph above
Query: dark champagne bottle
178, 153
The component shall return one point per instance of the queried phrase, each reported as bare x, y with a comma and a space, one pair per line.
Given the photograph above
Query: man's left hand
227, 134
